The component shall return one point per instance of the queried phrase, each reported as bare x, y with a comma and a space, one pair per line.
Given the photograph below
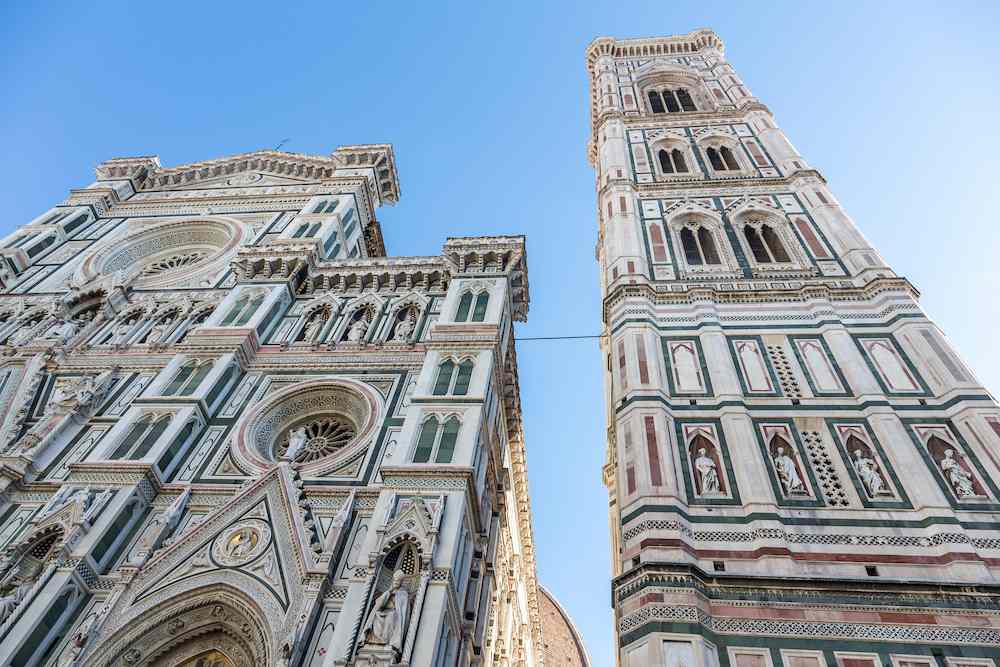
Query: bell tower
801, 470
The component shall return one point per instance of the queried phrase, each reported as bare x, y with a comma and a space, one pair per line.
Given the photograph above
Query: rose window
325, 435
173, 262
327, 422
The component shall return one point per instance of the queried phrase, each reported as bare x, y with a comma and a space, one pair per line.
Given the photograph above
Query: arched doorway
216, 627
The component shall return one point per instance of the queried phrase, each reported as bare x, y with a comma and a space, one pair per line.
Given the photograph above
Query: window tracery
320, 437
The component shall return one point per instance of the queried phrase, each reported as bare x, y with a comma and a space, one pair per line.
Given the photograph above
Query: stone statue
62, 333
788, 473
121, 332
296, 441
10, 602
708, 473
357, 332
314, 326
386, 622
961, 480
403, 331
869, 474
159, 330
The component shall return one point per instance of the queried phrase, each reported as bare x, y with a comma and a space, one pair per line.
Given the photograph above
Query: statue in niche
708, 474
159, 330
961, 480
788, 473
121, 332
63, 332
314, 326
296, 441
356, 333
386, 622
404, 328
23, 336
17, 584
868, 472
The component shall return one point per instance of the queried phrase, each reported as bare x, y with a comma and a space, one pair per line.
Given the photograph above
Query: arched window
187, 379
685, 100
774, 244
729, 158
699, 246
679, 163
756, 245
235, 311
765, 244
325, 206
691, 252
479, 310
141, 437
670, 100
464, 305
243, 310
300, 232
715, 160
665, 162
464, 378
437, 441
707, 246
446, 371
451, 382
672, 161
655, 102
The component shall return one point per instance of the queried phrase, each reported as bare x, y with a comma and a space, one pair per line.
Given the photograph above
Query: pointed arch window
187, 379
244, 308
453, 379
699, 246
479, 310
325, 206
464, 305
715, 160
671, 100
765, 245
141, 437
437, 441
476, 306
722, 158
672, 161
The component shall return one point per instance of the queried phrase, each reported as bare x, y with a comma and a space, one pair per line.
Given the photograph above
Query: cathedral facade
235, 432
801, 471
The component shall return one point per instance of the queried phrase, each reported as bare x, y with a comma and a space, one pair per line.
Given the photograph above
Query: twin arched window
477, 310
453, 379
187, 379
722, 159
306, 230
141, 437
244, 308
437, 441
325, 206
765, 245
699, 246
670, 100
672, 162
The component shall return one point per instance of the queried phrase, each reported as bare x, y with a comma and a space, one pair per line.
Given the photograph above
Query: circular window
329, 420
323, 435
173, 262
179, 253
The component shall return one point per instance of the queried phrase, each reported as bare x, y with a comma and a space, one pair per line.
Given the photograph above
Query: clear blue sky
487, 109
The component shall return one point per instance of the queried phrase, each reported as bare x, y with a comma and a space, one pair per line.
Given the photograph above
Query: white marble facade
236, 432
